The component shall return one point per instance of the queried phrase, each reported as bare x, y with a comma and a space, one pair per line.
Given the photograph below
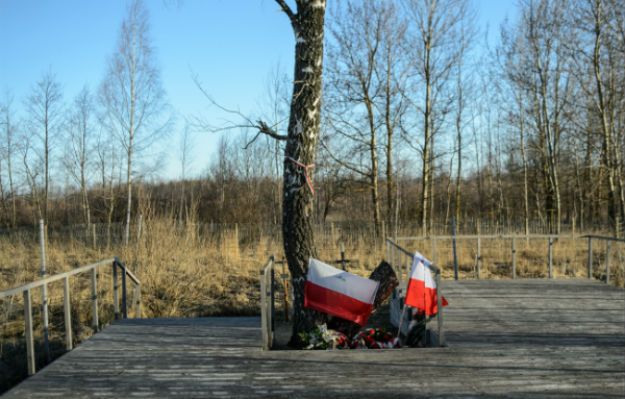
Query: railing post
94, 236
513, 258
479, 256
124, 292
115, 291
607, 261
343, 262
285, 284
550, 257
95, 322
263, 310
137, 297
272, 297
589, 265
454, 249
44, 290
67, 314
439, 304
28, 334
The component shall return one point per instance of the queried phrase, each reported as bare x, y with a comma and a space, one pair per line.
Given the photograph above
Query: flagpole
401, 318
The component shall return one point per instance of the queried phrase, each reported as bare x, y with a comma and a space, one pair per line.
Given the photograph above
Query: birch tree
78, 162
365, 100
9, 127
307, 21
44, 121
132, 96
435, 28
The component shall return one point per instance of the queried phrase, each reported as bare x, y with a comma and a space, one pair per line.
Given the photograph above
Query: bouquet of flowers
374, 338
371, 338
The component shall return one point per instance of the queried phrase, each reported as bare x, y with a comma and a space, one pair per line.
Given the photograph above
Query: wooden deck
507, 339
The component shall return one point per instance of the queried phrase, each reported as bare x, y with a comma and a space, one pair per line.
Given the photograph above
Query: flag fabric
421, 292
339, 293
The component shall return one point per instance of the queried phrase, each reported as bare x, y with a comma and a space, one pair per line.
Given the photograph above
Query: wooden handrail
26, 289
476, 236
56, 277
605, 238
431, 266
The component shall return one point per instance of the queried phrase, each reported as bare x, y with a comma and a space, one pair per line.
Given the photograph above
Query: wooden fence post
139, 226
115, 292
273, 299
454, 249
550, 257
28, 333
439, 304
94, 236
589, 265
607, 262
44, 291
137, 301
513, 258
67, 314
124, 294
479, 256
95, 323
263, 310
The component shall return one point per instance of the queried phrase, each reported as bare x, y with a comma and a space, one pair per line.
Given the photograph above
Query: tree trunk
606, 128
373, 154
300, 149
389, 139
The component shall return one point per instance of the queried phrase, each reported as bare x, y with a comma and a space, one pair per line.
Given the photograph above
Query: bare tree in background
435, 28
186, 145
598, 23
44, 110
81, 131
9, 126
132, 95
363, 97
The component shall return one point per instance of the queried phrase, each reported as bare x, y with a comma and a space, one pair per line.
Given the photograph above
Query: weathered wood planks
507, 339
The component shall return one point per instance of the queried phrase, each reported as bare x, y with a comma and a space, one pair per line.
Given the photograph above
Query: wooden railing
551, 239
267, 303
401, 260
118, 267
608, 246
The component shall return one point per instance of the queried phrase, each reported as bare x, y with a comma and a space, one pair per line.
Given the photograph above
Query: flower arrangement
322, 337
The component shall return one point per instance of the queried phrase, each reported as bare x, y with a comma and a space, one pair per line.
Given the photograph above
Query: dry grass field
202, 270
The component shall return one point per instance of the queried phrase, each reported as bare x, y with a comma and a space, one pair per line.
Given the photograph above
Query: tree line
421, 120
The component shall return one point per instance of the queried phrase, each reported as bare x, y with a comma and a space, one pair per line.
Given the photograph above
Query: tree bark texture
299, 154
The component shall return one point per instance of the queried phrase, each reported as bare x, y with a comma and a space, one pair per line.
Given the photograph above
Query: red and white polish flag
339, 293
421, 292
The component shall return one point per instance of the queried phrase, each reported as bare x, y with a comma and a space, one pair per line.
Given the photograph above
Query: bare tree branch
289, 13
260, 125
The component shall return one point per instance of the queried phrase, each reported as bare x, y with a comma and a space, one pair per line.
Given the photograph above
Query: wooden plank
507, 338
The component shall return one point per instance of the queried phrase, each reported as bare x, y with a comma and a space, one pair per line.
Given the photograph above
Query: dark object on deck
416, 336
385, 274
